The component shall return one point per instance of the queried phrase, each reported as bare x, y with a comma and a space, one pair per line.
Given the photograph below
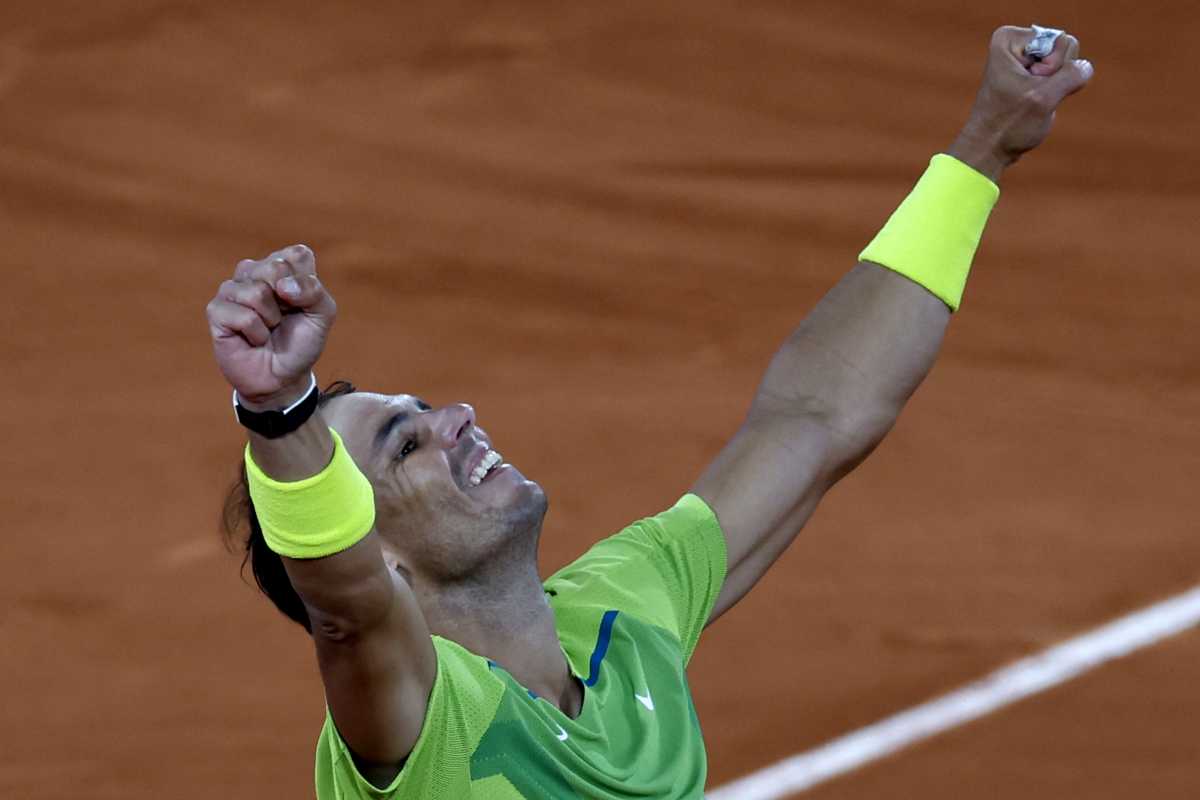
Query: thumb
307, 293
1072, 77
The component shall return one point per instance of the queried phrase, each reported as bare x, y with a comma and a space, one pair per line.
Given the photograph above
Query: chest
637, 733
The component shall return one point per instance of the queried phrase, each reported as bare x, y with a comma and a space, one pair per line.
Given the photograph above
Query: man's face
444, 499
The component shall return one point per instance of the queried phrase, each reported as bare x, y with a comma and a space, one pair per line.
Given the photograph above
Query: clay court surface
596, 222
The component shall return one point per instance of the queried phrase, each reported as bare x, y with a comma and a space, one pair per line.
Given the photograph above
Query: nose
453, 423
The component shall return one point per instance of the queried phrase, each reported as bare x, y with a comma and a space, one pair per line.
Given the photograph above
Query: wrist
314, 511
932, 237
981, 152
284, 397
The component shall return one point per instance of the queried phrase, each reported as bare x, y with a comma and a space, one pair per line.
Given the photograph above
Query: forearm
856, 359
345, 586
862, 352
346, 594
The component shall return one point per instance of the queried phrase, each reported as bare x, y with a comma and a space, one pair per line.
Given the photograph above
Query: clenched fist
1015, 106
269, 325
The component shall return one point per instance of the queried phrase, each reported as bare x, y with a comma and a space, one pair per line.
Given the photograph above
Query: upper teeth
490, 459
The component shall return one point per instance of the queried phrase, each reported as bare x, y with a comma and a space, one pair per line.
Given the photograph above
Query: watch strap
275, 423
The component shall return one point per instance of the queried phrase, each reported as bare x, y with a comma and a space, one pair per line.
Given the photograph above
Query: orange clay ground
596, 223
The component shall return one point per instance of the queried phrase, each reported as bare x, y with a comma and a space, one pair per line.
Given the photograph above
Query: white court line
1007, 685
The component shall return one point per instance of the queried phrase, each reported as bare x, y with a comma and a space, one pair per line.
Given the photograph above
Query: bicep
763, 486
374, 651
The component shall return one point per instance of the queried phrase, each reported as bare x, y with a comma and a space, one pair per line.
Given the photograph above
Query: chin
530, 503
515, 503
514, 525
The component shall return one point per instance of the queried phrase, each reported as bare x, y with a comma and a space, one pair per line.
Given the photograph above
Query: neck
506, 618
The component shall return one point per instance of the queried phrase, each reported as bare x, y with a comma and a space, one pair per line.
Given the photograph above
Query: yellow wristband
318, 516
932, 237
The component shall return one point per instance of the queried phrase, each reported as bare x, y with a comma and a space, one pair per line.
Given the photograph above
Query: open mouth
484, 469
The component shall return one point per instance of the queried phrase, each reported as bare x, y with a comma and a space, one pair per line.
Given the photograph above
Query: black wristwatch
273, 424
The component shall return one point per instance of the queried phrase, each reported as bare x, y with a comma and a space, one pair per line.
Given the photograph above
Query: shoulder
656, 568
689, 525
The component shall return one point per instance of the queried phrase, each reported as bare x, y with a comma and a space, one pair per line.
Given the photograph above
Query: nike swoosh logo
647, 701
562, 734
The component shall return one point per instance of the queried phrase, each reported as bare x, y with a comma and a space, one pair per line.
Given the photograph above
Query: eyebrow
389, 426
396, 420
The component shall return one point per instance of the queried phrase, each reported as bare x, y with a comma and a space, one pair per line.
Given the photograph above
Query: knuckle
235, 292
266, 273
261, 292
279, 268
1038, 99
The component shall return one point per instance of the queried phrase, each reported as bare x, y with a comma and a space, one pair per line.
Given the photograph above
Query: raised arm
838, 383
269, 325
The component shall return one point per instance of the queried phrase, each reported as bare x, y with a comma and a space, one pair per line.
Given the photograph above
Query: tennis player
400, 538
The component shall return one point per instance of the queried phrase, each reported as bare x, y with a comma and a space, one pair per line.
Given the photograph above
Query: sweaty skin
460, 560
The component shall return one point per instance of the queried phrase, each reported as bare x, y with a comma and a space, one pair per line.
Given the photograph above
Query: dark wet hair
240, 526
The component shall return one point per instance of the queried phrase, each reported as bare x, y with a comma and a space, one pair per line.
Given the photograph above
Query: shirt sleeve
666, 569
462, 703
